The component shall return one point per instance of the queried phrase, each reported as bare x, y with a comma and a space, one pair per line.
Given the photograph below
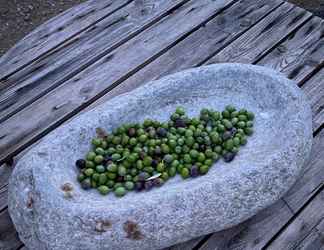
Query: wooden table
101, 49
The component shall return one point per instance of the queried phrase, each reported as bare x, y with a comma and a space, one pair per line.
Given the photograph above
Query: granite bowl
51, 211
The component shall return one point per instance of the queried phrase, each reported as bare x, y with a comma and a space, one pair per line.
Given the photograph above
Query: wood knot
102, 226
133, 231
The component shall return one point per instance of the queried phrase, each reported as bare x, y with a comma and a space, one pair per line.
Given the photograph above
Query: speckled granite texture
230, 193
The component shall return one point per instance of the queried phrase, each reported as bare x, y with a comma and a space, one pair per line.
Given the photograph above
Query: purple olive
180, 123
139, 186
120, 179
227, 135
229, 156
80, 163
132, 132
162, 132
143, 176
158, 182
148, 185
194, 171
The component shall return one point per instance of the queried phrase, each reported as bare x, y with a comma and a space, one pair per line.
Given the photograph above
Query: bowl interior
193, 91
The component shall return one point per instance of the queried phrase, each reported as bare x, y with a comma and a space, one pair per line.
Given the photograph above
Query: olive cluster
141, 156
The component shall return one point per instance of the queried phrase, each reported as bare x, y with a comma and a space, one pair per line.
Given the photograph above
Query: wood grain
259, 40
47, 73
314, 88
212, 37
8, 236
315, 240
66, 100
56, 31
300, 53
312, 178
302, 226
253, 233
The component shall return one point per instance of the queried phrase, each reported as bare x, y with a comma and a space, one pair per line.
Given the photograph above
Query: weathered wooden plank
8, 236
188, 245
259, 40
84, 88
45, 74
315, 240
300, 53
312, 177
5, 172
302, 225
253, 233
314, 88
56, 31
209, 39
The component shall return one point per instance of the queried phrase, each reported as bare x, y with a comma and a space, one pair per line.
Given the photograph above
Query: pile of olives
142, 156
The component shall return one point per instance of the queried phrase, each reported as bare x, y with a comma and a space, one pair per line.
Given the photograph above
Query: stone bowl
51, 211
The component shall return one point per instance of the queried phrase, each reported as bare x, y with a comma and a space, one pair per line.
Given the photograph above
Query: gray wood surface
56, 31
253, 233
8, 236
208, 40
73, 95
315, 240
315, 92
302, 51
302, 225
312, 178
271, 33
47, 73
259, 40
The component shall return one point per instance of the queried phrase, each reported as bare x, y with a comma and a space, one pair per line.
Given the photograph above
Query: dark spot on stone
132, 230
102, 226
41, 154
67, 187
30, 201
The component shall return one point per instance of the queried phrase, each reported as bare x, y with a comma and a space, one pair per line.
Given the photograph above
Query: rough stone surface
48, 218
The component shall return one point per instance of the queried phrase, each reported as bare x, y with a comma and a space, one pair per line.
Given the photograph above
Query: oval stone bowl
50, 214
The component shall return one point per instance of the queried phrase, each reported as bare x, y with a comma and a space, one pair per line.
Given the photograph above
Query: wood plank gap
202, 242
294, 217
113, 85
307, 234
91, 61
22, 246
318, 130
236, 37
63, 42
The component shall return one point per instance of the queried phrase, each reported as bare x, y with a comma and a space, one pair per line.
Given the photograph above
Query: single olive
120, 191
96, 142
104, 190
185, 173
248, 131
86, 183
172, 171
129, 185
91, 155
95, 176
81, 177
80, 163
89, 172
203, 169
